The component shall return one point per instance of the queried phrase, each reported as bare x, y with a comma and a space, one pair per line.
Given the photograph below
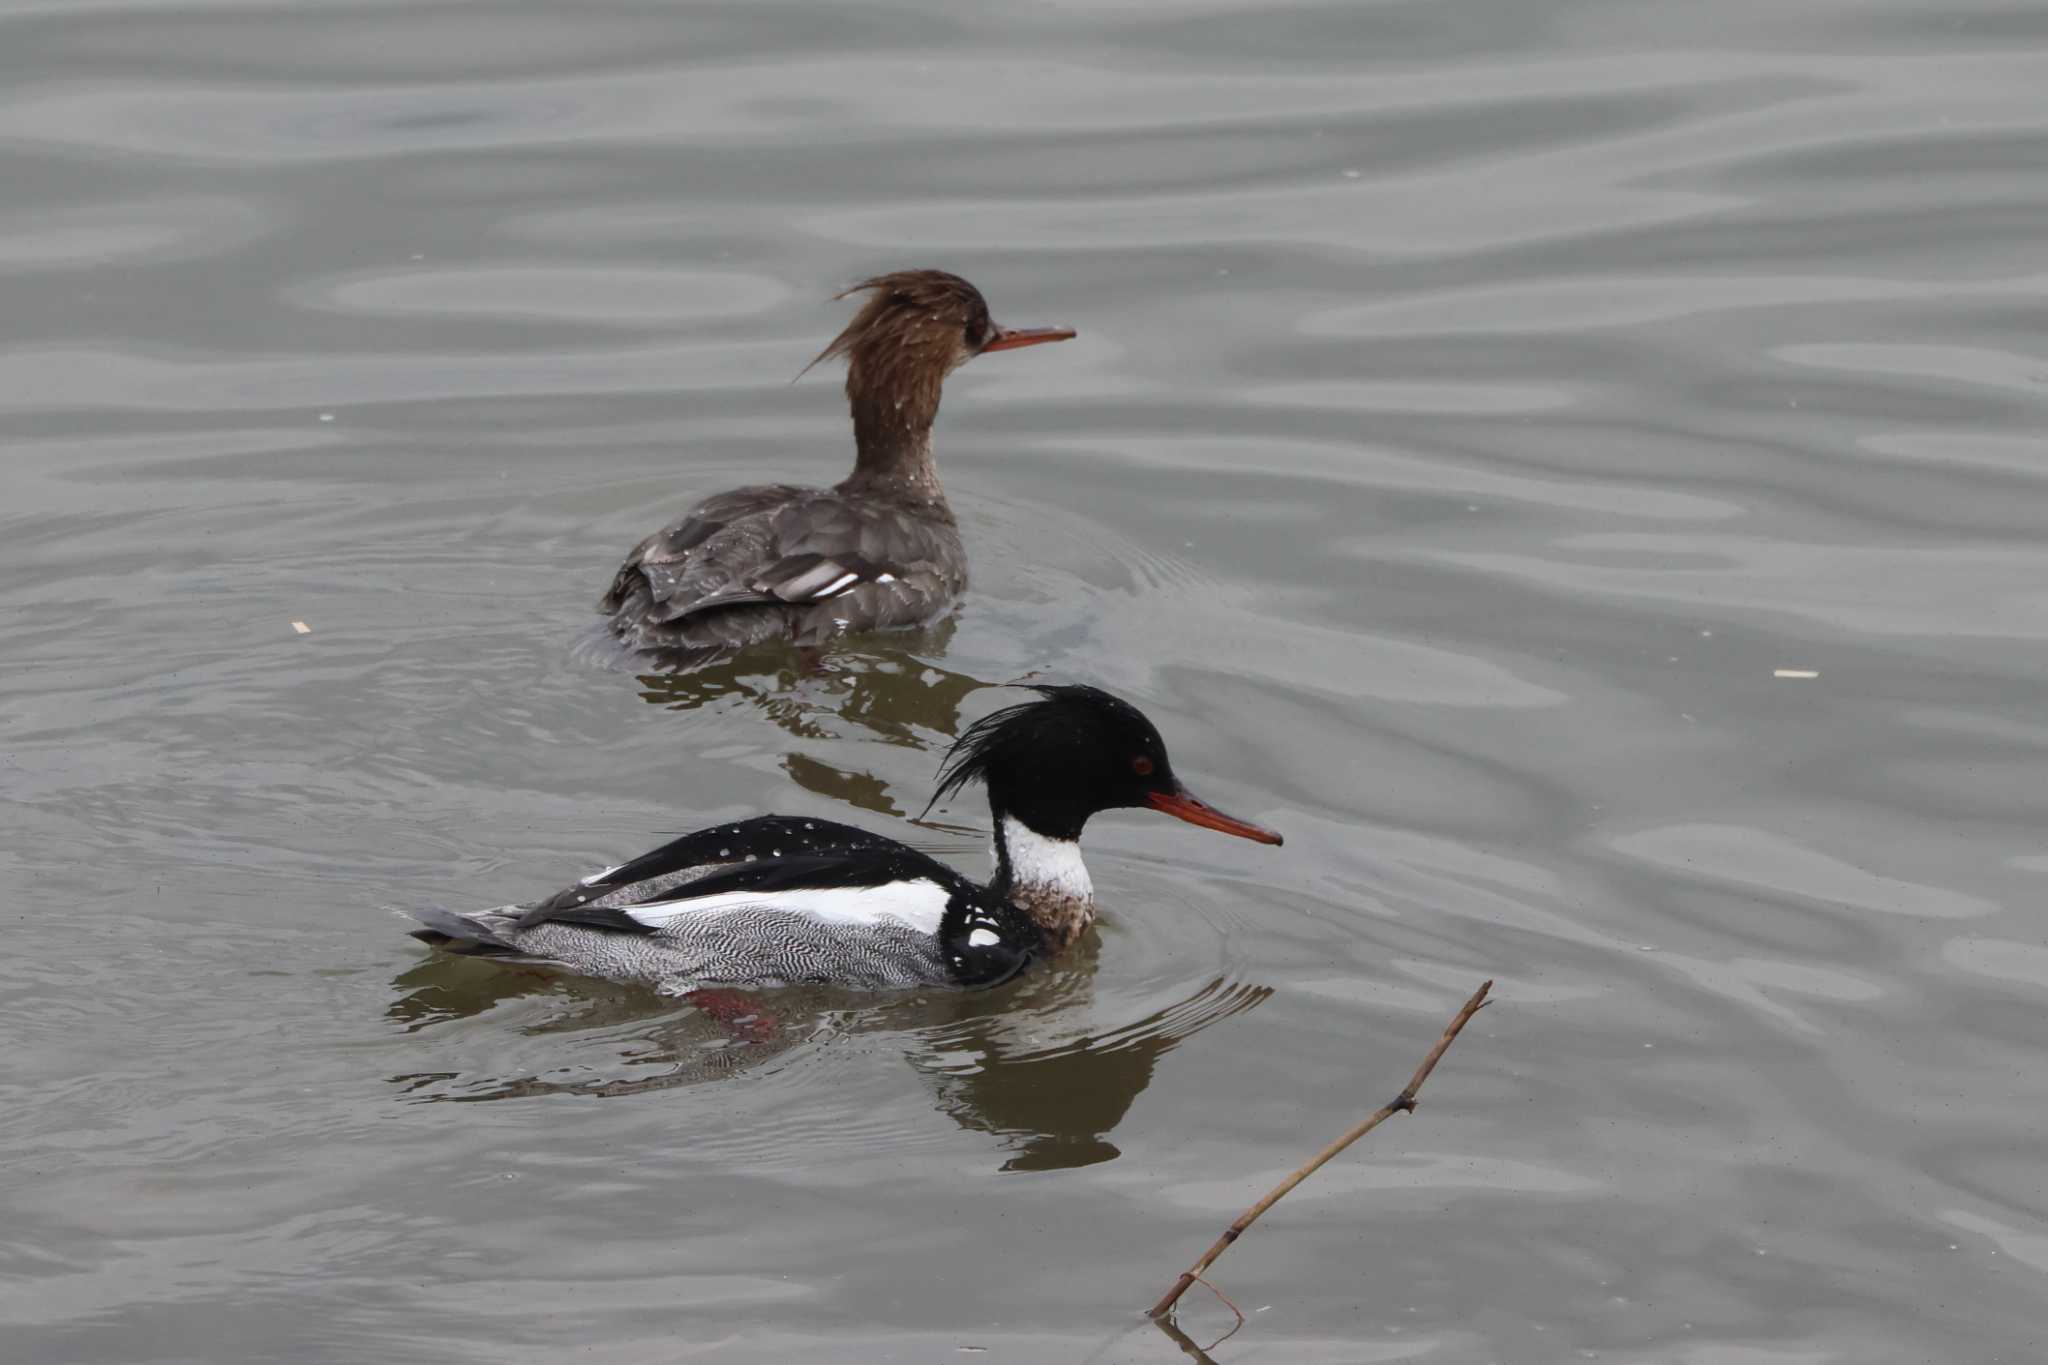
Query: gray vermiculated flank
751, 946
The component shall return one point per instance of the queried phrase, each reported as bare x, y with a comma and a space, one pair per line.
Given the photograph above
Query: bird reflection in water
998, 1062
1001, 1066
890, 689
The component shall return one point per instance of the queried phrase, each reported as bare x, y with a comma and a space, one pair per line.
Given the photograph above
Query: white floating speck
1795, 673
1353, 175
327, 417
302, 628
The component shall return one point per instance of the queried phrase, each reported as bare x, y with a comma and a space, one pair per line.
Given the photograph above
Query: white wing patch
918, 905
837, 584
825, 579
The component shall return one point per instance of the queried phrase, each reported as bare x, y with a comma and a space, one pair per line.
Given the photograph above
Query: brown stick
1401, 1103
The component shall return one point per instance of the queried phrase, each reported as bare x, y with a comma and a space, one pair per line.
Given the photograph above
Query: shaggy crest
916, 327
905, 307
1036, 732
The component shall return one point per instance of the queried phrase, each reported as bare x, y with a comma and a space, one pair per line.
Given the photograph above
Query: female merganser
878, 549
781, 900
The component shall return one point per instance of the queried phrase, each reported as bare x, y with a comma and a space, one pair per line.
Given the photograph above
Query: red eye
1142, 766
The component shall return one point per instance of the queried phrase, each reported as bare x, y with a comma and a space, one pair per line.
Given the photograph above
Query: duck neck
892, 437
1045, 878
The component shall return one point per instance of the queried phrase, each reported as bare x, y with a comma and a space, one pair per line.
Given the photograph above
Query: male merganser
782, 900
878, 549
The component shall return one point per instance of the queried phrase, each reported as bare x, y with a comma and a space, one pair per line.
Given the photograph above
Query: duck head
913, 329
1052, 763
1049, 765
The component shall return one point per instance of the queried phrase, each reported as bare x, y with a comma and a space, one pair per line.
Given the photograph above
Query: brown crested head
913, 329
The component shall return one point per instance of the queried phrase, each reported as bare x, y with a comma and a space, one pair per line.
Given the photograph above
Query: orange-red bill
1195, 811
1010, 338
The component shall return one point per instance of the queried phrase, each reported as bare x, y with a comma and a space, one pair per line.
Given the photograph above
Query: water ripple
1485, 418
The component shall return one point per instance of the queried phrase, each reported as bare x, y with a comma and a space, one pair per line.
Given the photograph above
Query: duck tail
460, 934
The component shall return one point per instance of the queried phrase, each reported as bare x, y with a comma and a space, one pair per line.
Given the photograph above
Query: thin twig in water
1235, 1327
1186, 1343
1400, 1104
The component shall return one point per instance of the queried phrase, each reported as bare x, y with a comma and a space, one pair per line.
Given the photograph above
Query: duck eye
1141, 765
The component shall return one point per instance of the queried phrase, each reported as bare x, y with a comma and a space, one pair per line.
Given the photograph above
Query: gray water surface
1476, 405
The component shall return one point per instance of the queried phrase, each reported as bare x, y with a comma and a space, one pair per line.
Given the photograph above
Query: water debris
1403, 1103
1795, 673
302, 628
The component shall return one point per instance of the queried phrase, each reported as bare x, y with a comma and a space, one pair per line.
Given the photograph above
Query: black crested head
1054, 762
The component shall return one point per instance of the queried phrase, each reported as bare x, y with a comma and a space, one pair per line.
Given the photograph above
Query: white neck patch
1041, 864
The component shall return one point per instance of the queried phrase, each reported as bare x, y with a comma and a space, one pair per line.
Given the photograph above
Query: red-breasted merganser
878, 549
782, 900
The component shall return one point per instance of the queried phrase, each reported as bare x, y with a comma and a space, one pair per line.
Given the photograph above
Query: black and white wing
779, 859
